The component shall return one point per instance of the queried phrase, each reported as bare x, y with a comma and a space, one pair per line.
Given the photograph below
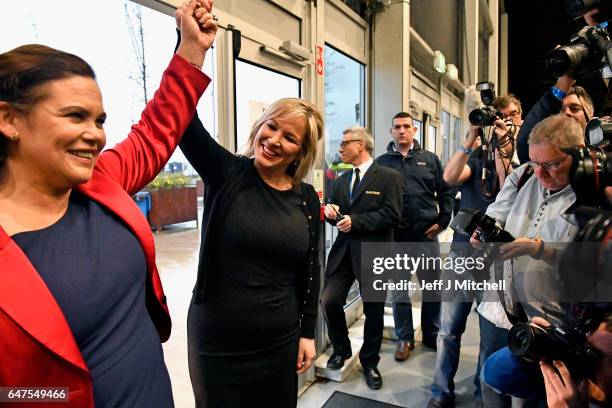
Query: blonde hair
292, 108
362, 133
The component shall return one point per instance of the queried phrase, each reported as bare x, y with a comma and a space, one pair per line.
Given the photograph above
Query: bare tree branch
136, 34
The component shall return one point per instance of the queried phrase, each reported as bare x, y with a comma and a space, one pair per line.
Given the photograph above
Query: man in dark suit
366, 205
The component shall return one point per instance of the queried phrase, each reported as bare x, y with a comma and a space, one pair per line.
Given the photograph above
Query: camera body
583, 55
591, 170
467, 221
486, 115
534, 343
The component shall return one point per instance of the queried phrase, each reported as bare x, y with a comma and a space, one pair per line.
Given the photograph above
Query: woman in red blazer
81, 303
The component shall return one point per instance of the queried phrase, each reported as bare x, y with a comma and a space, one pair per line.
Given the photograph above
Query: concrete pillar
470, 71
391, 70
494, 44
503, 54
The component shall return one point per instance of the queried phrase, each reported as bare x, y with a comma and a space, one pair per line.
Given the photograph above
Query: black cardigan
225, 175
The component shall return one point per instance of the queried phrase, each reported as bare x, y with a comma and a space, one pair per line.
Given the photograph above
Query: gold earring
15, 137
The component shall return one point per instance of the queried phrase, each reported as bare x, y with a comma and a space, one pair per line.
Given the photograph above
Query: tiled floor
406, 384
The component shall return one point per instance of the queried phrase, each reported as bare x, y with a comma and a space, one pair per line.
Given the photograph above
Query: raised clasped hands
198, 29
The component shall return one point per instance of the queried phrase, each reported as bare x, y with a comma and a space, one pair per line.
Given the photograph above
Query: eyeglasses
345, 143
513, 114
550, 165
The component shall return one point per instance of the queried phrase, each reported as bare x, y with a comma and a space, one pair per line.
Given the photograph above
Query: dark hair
503, 101
24, 69
401, 115
584, 98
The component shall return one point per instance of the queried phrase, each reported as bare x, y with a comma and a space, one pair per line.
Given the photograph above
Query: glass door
256, 88
344, 107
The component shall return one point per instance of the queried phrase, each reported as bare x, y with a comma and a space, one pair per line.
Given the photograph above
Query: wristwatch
540, 252
559, 94
466, 150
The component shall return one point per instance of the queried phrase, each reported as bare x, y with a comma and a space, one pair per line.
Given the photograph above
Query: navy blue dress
96, 269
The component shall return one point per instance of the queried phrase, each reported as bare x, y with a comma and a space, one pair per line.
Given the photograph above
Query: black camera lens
482, 117
578, 60
529, 342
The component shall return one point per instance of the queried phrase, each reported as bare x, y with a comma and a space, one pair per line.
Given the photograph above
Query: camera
533, 343
467, 221
583, 55
591, 169
486, 115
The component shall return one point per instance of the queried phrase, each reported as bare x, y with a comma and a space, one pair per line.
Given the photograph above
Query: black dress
243, 338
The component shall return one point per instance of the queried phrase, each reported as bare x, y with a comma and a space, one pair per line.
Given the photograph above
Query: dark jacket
375, 211
547, 105
424, 188
225, 175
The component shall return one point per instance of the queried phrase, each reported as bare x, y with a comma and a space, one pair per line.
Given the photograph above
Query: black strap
524, 178
517, 314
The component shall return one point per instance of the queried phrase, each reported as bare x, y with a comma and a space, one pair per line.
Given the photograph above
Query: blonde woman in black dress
252, 318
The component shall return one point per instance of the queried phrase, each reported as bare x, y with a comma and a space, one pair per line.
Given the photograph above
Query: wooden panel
173, 205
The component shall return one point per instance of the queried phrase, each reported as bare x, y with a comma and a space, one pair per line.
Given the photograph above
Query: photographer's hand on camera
561, 389
589, 17
564, 83
474, 240
561, 392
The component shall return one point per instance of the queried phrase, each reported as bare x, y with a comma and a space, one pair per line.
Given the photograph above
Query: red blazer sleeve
134, 162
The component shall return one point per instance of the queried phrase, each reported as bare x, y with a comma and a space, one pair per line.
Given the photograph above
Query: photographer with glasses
465, 169
532, 208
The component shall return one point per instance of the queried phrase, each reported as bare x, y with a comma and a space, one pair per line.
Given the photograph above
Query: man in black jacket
366, 204
564, 97
427, 208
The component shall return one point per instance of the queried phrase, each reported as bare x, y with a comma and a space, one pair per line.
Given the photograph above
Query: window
359, 6
254, 94
458, 137
344, 99
418, 135
60, 24
431, 138
446, 136
344, 107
